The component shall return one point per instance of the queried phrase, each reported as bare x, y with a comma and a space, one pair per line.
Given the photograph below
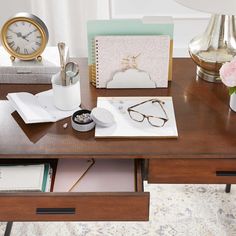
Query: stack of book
31, 72
33, 177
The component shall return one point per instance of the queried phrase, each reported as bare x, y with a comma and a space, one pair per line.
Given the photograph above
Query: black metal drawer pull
55, 211
226, 173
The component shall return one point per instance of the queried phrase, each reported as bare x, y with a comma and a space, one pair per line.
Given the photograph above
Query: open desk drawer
75, 206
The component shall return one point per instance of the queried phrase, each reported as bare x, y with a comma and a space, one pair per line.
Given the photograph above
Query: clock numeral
18, 49
9, 37
33, 49
23, 23
39, 37
26, 51
16, 24
37, 43
11, 44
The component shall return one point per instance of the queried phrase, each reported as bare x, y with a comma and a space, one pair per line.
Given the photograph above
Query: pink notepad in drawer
68, 172
104, 176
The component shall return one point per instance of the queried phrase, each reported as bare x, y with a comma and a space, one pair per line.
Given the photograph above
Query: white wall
65, 19
9, 8
187, 23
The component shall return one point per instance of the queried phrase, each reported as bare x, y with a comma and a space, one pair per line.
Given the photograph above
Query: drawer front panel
206, 171
74, 207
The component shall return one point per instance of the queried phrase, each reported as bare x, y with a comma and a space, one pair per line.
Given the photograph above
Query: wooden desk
205, 151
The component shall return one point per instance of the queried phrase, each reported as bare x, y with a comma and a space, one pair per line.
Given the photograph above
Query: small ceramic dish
81, 121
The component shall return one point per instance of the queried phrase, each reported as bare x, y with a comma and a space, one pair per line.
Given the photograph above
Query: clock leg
39, 58
12, 58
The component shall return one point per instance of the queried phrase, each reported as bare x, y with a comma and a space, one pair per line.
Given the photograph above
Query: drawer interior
111, 191
90, 175
95, 175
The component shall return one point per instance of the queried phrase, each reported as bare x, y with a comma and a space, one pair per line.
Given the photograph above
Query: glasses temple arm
144, 102
164, 111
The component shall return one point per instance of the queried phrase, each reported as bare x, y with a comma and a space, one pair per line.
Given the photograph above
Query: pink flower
228, 73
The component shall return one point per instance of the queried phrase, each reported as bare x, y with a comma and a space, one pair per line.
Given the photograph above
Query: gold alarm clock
24, 36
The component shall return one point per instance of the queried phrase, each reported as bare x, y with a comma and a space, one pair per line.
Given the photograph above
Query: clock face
23, 37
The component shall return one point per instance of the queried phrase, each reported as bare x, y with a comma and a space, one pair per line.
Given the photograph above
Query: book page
45, 99
29, 108
37, 108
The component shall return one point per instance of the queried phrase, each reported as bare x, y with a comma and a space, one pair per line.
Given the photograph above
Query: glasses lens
156, 121
136, 116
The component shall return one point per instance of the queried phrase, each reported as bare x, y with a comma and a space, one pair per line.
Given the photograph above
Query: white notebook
134, 61
37, 108
23, 178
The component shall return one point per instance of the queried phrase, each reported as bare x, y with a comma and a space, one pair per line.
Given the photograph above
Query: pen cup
66, 97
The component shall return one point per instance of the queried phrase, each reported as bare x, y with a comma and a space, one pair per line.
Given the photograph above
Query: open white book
37, 108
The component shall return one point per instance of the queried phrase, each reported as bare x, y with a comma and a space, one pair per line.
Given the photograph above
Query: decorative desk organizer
30, 72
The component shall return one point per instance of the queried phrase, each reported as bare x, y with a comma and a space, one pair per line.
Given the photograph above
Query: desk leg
8, 228
228, 188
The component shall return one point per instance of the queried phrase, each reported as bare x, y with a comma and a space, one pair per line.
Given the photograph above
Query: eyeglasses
153, 120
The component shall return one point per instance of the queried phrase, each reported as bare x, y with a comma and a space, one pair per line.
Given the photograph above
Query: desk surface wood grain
206, 125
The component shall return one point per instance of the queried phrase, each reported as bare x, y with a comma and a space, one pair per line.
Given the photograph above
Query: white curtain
66, 20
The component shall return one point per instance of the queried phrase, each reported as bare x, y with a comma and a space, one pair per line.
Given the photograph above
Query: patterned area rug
175, 210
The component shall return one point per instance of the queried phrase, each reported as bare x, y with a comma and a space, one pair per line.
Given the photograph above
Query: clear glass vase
232, 102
